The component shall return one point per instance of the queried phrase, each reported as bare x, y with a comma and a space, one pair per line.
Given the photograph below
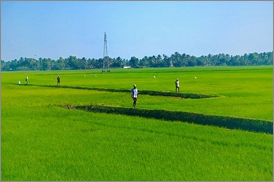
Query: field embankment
246, 124
143, 92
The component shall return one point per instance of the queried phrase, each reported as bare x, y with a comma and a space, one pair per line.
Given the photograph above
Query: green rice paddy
42, 141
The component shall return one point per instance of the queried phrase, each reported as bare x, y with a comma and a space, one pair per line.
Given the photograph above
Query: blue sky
53, 29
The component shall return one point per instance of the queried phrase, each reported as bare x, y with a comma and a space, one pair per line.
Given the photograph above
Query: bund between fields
246, 124
143, 92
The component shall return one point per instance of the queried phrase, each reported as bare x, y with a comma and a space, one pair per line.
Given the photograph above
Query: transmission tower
105, 56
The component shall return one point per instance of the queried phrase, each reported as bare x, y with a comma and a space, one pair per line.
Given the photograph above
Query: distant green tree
46, 64
73, 62
176, 59
117, 63
144, 62
134, 62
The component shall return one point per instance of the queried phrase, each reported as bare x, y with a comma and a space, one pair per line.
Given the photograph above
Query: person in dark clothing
58, 80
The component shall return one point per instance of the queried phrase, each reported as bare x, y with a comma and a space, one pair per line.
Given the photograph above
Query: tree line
175, 60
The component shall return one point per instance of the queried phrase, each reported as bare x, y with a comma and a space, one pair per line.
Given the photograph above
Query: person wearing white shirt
177, 87
134, 95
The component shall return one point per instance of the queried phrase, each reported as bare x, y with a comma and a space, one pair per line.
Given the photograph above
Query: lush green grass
246, 91
41, 141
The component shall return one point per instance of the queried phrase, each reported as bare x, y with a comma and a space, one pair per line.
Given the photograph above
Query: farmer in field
134, 95
58, 80
177, 87
27, 80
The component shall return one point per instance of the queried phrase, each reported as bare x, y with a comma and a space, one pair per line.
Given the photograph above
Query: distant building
127, 67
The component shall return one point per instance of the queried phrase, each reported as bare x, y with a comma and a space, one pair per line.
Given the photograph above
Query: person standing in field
27, 80
58, 80
177, 87
134, 95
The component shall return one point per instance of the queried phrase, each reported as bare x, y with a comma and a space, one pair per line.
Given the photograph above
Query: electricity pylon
105, 56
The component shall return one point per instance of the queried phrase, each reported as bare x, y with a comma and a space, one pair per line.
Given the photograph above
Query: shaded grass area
144, 92
246, 124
